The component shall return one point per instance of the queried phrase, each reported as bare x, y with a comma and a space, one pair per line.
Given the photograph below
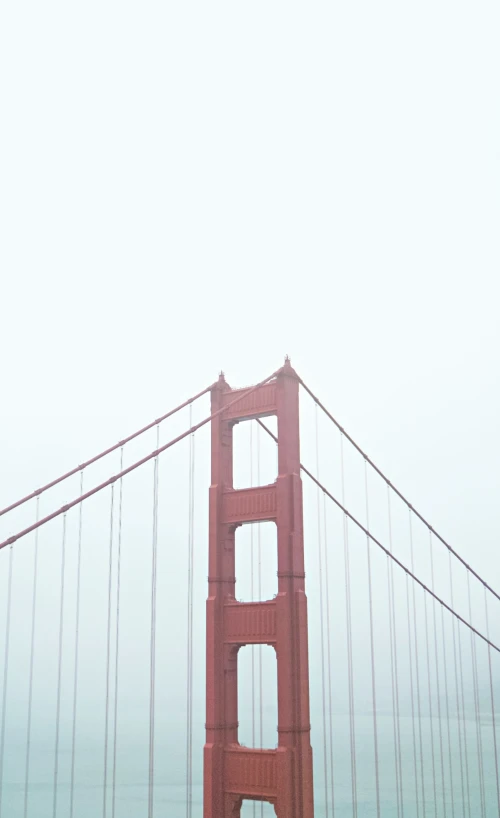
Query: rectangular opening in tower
257, 809
257, 697
256, 562
255, 454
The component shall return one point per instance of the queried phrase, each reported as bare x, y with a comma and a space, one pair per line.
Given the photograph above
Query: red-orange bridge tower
233, 773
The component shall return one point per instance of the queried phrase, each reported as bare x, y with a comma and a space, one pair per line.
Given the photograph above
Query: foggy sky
190, 187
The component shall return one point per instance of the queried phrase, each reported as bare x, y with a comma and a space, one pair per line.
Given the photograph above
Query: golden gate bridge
246, 571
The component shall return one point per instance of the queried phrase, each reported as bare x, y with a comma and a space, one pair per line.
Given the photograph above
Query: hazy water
170, 791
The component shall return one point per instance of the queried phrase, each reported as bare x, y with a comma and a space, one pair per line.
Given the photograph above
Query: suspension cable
438, 686
431, 717
117, 639
252, 599
108, 654
193, 464
394, 668
322, 627
412, 699
259, 575
329, 654
447, 705
479, 737
77, 645
457, 697
190, 565
395, 490
5, 672
350, 672
388, 553
152, 660
492, 697
137, 464
462, 692
32, 655
322, 581
99, 456
393, 690
59, 669
372, 648
417, 673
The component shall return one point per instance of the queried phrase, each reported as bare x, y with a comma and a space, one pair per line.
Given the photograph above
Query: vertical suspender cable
412, 699
457, 697
259, 580
252, 598
417, 674
152, 658
394, 665
352, 724
464, 721
77, 645
447, 704
393, 690
32, 655
492, 696
117, 638
252, 594
438, 686
479, 737
322, 627
431, 716
108, 654
372, 650
59, 669
5, 672
193, 474
189, 738
329, 652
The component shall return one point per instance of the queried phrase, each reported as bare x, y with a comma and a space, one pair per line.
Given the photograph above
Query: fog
193, 187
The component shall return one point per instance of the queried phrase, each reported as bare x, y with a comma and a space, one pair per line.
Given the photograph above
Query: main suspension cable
388, 553
395, 490
104, 453
137, 464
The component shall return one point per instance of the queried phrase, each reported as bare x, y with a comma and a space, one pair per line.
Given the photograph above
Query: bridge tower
233, 773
